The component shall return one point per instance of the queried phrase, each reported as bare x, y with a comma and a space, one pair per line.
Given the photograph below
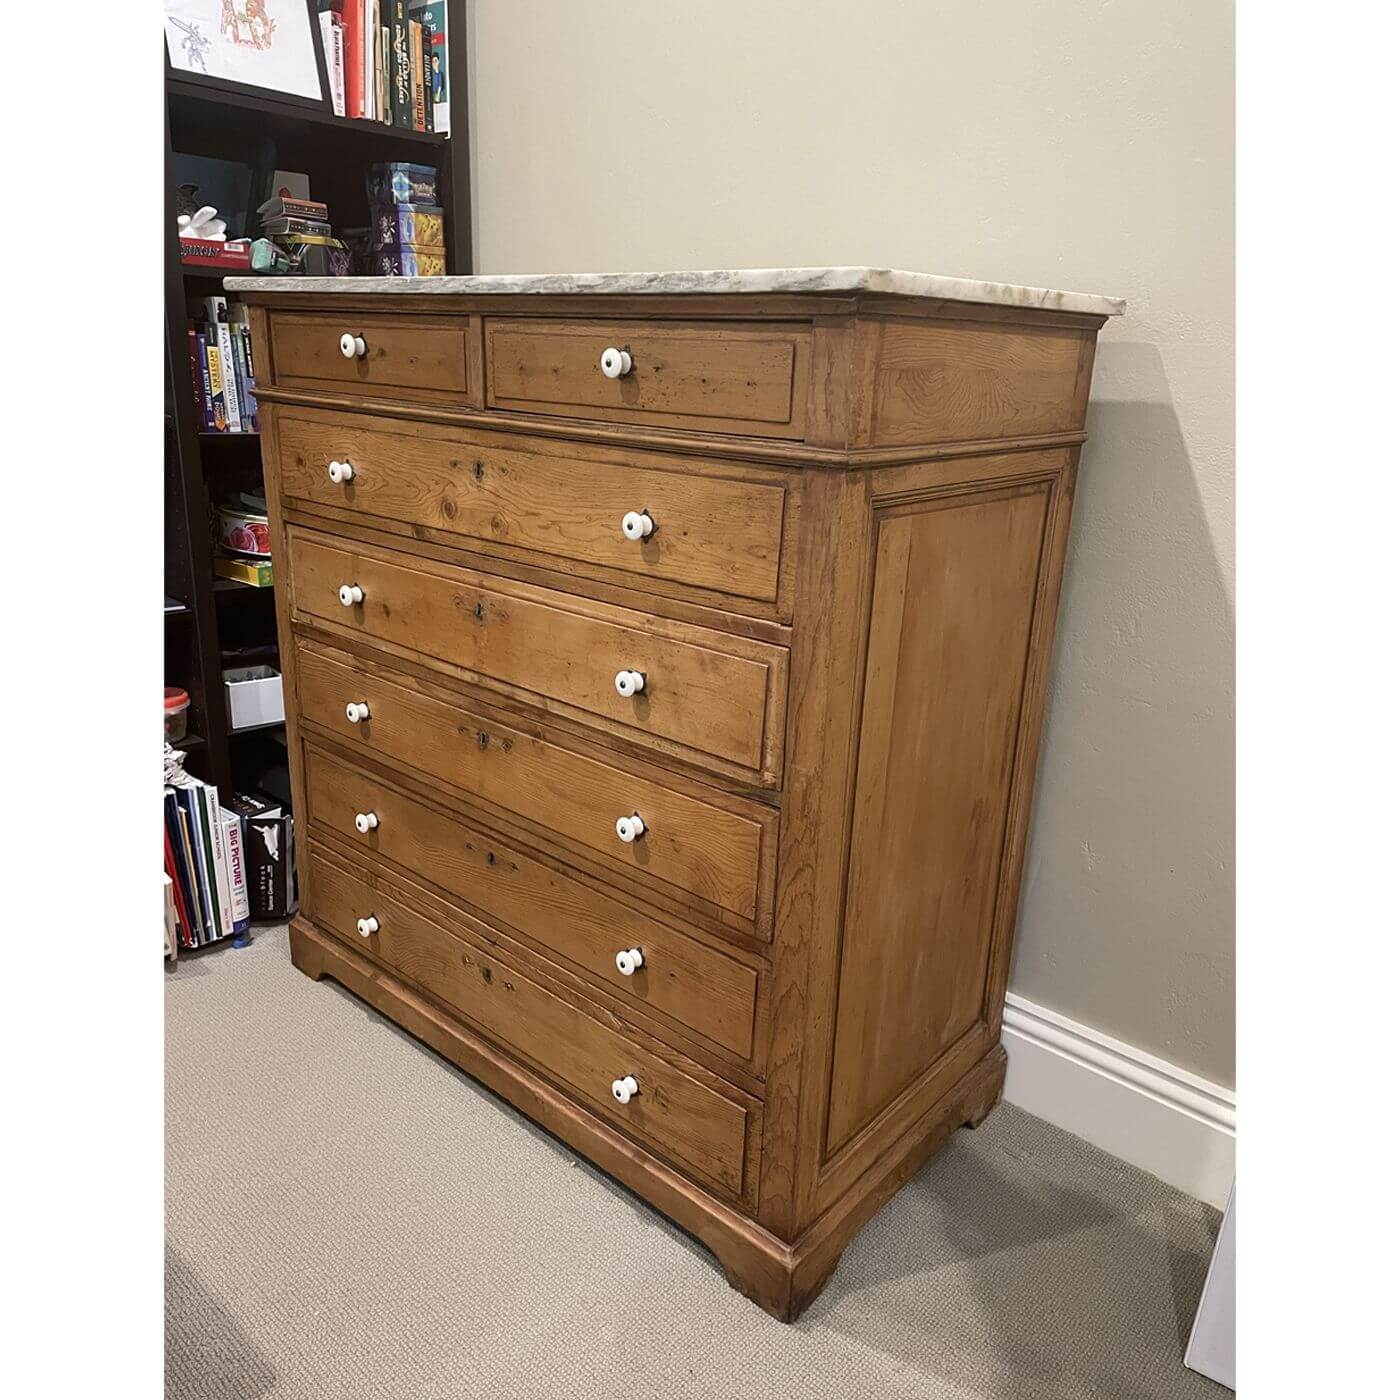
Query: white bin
254, 695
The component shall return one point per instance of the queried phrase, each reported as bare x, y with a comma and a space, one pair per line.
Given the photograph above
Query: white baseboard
1153, 1114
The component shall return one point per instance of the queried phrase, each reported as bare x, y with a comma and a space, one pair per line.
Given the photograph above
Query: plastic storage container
254, 696
177, 713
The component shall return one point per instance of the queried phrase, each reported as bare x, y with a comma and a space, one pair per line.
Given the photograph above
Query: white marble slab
753, 279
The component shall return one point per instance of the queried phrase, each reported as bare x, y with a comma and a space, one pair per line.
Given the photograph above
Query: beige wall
1078, 144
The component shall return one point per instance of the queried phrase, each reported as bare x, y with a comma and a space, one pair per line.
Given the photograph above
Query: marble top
753, 279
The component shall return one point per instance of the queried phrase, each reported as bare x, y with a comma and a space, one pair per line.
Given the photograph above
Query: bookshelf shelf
198, 111
257, 728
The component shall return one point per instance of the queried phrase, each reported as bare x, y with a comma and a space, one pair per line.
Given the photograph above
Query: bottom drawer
692, 1125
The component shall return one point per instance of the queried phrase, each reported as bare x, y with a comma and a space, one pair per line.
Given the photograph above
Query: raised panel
936, 382
952, 601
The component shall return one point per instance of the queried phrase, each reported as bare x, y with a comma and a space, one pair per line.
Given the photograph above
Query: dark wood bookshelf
259, 130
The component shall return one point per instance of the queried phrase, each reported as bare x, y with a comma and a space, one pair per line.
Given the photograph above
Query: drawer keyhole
479, 612
483, 739
478, 471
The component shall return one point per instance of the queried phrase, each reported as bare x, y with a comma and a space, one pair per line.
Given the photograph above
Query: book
218, 856
386, 110
184, 888
172, 927
432, 15
288, 223
229, 376
218, 410
237, 873
269, 856
282, 204
204, 887
352, 14
400, 65
415, 56
206, 398
257, 572
332, 40
373, 59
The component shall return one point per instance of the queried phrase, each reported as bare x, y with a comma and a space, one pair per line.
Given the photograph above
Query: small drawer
685, 689
700, 987
639, 515
392, 357
688, 1121
716, 853
711, 376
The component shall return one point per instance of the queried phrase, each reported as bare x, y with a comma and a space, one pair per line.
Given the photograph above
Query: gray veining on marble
754, 279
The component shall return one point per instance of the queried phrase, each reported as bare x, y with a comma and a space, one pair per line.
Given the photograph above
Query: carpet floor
348, 1215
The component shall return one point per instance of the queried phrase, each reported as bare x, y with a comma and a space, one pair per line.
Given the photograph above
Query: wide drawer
713, 532
710, 376
707, 850
700, 987
404, 357
687, 1120
709, 694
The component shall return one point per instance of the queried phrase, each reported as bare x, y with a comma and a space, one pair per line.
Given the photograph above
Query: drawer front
405, 357
687, 1120
709, 532
700, 987
708, 376
709, 693
689, 843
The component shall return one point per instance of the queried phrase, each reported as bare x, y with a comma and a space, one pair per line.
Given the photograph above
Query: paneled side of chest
664, 679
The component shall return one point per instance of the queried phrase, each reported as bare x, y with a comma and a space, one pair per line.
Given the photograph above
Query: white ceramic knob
630, 829
366, 927
340, 471
351, 593
629, 960
615, 363
356, 710
365, 822
629, 683
637, 525
352, 346
624, 1088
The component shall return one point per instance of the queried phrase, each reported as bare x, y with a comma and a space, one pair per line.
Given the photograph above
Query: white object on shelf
615, 363
629, 960
630, 829
254, 696
637, 525
630, 683
623, 1089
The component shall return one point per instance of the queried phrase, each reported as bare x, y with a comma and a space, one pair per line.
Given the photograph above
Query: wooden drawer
406, 357
700, 987
684, 1117
711, 851
713, 532
707, 694
712, 376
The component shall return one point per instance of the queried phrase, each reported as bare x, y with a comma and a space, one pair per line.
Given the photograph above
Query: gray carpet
347, 1215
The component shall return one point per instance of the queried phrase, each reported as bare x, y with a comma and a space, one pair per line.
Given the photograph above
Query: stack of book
227, 865
387, 61
221, 368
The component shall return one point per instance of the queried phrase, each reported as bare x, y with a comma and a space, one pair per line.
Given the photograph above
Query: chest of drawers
665, 658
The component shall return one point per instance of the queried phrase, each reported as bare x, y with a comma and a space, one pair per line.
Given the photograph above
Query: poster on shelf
261, 43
